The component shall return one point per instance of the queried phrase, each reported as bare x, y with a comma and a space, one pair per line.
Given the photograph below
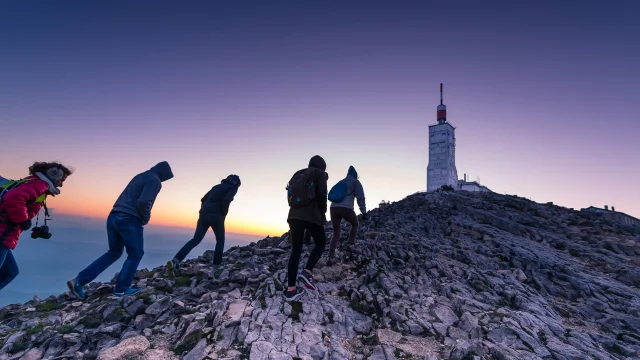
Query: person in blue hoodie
344, 210
213, 211
131, 211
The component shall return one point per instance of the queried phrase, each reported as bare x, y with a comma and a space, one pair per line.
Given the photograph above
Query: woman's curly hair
42, 167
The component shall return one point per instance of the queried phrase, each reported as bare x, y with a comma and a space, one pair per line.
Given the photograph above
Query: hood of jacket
318, 163
163, 170
352, 171
53, 190
232, 180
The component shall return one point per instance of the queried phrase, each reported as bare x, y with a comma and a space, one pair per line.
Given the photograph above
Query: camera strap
46, 214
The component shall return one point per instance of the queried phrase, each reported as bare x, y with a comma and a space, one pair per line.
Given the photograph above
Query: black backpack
300, 189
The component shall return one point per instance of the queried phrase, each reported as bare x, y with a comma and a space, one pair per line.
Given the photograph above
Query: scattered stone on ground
450, 275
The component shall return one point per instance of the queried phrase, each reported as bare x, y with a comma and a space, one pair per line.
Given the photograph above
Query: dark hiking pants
316, 231
204, 223
337, 214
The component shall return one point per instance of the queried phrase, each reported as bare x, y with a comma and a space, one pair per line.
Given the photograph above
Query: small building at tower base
471, 186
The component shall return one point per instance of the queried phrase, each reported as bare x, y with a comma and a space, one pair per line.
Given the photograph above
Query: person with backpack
213, 211
342, 196
307, 197
130, 213
307, 234
20, 202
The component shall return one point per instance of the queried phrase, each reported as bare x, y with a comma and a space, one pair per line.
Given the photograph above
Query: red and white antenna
442, 109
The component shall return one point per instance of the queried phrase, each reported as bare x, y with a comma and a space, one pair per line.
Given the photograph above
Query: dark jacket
218, 199
138, 197
315, 212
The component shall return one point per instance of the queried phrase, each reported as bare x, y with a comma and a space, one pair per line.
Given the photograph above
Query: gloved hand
365, 217
25, 225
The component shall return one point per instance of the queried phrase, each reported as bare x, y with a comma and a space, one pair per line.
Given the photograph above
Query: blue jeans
124, 231
204, 223
8, 266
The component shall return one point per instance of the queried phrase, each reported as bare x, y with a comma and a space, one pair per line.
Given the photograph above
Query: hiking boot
216, 271
293, 295
75, 289
173, 268
129, 291
350, 246
170, 272
307, 278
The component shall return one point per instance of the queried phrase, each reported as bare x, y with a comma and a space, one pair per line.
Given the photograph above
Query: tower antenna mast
442, 108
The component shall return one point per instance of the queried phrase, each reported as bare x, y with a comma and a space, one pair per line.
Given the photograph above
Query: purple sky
544, 97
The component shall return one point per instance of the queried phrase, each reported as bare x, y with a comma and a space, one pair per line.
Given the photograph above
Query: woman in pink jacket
21, 204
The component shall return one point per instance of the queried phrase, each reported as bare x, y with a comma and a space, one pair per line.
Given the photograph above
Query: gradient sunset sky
544, 96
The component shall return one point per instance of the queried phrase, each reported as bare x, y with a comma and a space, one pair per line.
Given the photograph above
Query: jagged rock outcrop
438, 276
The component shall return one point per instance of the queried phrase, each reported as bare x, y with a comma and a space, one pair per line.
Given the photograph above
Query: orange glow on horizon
172, 208
187, 222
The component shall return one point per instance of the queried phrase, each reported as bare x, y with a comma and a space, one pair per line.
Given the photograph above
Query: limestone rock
158, 354
129, 347
32, 354
452, 275
198, 352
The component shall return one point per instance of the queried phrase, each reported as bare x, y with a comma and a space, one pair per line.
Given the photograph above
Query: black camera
40, 232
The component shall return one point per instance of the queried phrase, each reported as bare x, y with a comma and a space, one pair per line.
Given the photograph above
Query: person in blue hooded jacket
131, 211
344, 210
213, 211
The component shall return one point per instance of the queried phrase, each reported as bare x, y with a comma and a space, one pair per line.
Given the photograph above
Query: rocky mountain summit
449, 275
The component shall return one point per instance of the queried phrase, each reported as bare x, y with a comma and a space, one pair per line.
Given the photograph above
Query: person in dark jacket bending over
310, 217
213, 211
125, 224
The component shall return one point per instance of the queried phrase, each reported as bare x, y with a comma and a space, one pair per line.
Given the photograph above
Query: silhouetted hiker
307, 197
213, 211
21, 201
131, 211
342, 197
307, 234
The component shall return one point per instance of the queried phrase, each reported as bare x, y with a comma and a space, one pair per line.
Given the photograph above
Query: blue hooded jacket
354, 191
138, 197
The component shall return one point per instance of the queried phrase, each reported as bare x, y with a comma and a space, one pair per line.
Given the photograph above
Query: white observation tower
442, 152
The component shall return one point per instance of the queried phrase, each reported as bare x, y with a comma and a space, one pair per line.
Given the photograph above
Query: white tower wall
442, 157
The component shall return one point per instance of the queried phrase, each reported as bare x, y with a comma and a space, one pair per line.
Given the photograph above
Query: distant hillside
449, 275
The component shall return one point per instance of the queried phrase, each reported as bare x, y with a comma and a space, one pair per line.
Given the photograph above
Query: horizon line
263, 234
